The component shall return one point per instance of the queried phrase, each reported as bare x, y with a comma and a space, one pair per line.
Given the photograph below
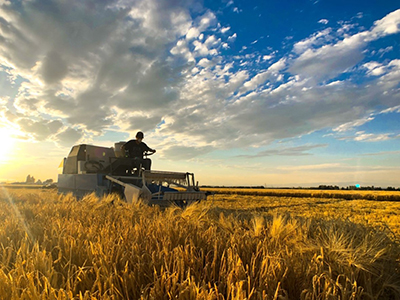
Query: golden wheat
55, 247
312, 193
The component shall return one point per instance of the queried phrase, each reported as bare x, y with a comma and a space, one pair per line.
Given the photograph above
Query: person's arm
147, 148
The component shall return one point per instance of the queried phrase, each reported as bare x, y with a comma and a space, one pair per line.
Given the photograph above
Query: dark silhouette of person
136, 148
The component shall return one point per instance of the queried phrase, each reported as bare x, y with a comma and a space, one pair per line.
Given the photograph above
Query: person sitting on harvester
136, 148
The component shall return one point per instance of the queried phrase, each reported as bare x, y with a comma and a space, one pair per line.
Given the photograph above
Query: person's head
139, 135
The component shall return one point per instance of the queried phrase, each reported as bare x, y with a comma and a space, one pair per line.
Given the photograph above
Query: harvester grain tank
104, 170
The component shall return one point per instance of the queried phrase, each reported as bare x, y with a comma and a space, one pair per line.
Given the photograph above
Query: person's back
136, 148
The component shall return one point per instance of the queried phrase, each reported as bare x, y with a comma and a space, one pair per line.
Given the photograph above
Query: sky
273, 93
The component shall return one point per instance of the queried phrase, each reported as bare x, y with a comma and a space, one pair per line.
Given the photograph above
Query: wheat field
233, 246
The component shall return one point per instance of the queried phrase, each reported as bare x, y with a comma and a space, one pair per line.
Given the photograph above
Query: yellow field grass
231, 247
382, 214
338, 194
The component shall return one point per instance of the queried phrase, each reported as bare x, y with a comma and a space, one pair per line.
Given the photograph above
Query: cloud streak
288, 151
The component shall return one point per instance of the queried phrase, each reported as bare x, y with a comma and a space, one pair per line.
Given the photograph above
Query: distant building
30, 179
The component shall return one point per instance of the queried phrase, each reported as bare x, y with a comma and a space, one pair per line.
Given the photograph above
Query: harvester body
103, 170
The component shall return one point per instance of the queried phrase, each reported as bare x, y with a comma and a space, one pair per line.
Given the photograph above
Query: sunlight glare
7, 143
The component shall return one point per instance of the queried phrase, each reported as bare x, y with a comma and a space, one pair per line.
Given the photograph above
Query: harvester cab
104, 170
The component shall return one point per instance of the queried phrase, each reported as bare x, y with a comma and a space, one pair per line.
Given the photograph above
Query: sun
7, 143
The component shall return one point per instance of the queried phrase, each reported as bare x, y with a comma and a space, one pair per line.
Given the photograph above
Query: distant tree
48, 181
328, 187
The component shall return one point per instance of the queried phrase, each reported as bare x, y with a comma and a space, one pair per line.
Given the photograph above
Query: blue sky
275, 93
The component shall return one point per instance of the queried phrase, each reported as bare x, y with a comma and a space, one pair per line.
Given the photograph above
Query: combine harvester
102, 170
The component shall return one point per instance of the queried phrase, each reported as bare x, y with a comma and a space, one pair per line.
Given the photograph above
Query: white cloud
317, 167
390, 24
157, 66
200, 48
225, 29
212, 41
391, 110
68, 137
278, 66
345, 28
192, 33
267, 57
329, 60
333, 83
254, 82
351, 125
225, 46
317, 39
205, 63
182, 49
262, 77
359, 15
207, 20
40, 130
374, 68
232, 38
362, 136
390, 80
237, 10
370, 137
385, 50
286, 151
79, 65
323, 21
